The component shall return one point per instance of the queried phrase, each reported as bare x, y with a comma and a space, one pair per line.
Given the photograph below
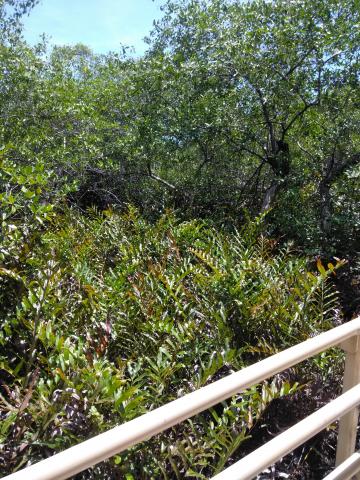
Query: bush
106, 316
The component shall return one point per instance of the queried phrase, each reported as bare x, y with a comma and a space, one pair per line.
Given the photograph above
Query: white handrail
347, 469
118, 439
286, 442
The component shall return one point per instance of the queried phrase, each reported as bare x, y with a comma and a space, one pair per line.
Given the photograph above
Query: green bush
106, 316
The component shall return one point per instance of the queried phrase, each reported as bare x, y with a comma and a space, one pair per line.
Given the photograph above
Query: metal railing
103, 446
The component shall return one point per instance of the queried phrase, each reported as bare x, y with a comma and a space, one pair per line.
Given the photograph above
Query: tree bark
325, 207
270, 195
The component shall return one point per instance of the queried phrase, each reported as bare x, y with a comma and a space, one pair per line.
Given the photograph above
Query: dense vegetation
166, 220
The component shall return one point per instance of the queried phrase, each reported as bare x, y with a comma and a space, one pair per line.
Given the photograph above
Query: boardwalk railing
347, 336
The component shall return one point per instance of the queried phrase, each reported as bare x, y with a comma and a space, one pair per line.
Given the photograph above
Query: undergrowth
105, 317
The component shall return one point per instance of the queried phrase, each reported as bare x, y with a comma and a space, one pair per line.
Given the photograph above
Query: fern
128, 315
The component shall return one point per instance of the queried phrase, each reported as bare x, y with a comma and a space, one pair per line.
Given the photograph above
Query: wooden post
349, 422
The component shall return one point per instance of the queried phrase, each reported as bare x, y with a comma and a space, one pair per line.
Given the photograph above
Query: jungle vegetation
169, 219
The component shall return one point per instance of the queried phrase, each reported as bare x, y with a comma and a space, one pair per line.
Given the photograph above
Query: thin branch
305, 151
299, 114
255, 176
265, 113
241, 147
164, 182
294, 67
159, 179
333, 56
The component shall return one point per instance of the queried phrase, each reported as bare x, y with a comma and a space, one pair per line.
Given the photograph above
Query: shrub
106, 316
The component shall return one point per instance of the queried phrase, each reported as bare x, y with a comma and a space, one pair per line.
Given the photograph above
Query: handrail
286, 442
347, 469
118, 439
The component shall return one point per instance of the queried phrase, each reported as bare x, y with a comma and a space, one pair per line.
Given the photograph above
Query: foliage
234, 105
243, 119
108, 316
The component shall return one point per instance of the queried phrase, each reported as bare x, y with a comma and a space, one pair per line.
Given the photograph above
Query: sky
100, 24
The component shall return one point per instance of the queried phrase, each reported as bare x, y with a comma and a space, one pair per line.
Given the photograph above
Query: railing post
349, 422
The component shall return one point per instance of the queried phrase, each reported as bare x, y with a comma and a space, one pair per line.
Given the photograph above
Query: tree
11, 12
246, 83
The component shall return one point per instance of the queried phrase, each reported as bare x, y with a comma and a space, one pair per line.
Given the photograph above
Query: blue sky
101, 24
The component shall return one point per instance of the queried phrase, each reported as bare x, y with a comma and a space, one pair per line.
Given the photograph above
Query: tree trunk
325, 207
270, 195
